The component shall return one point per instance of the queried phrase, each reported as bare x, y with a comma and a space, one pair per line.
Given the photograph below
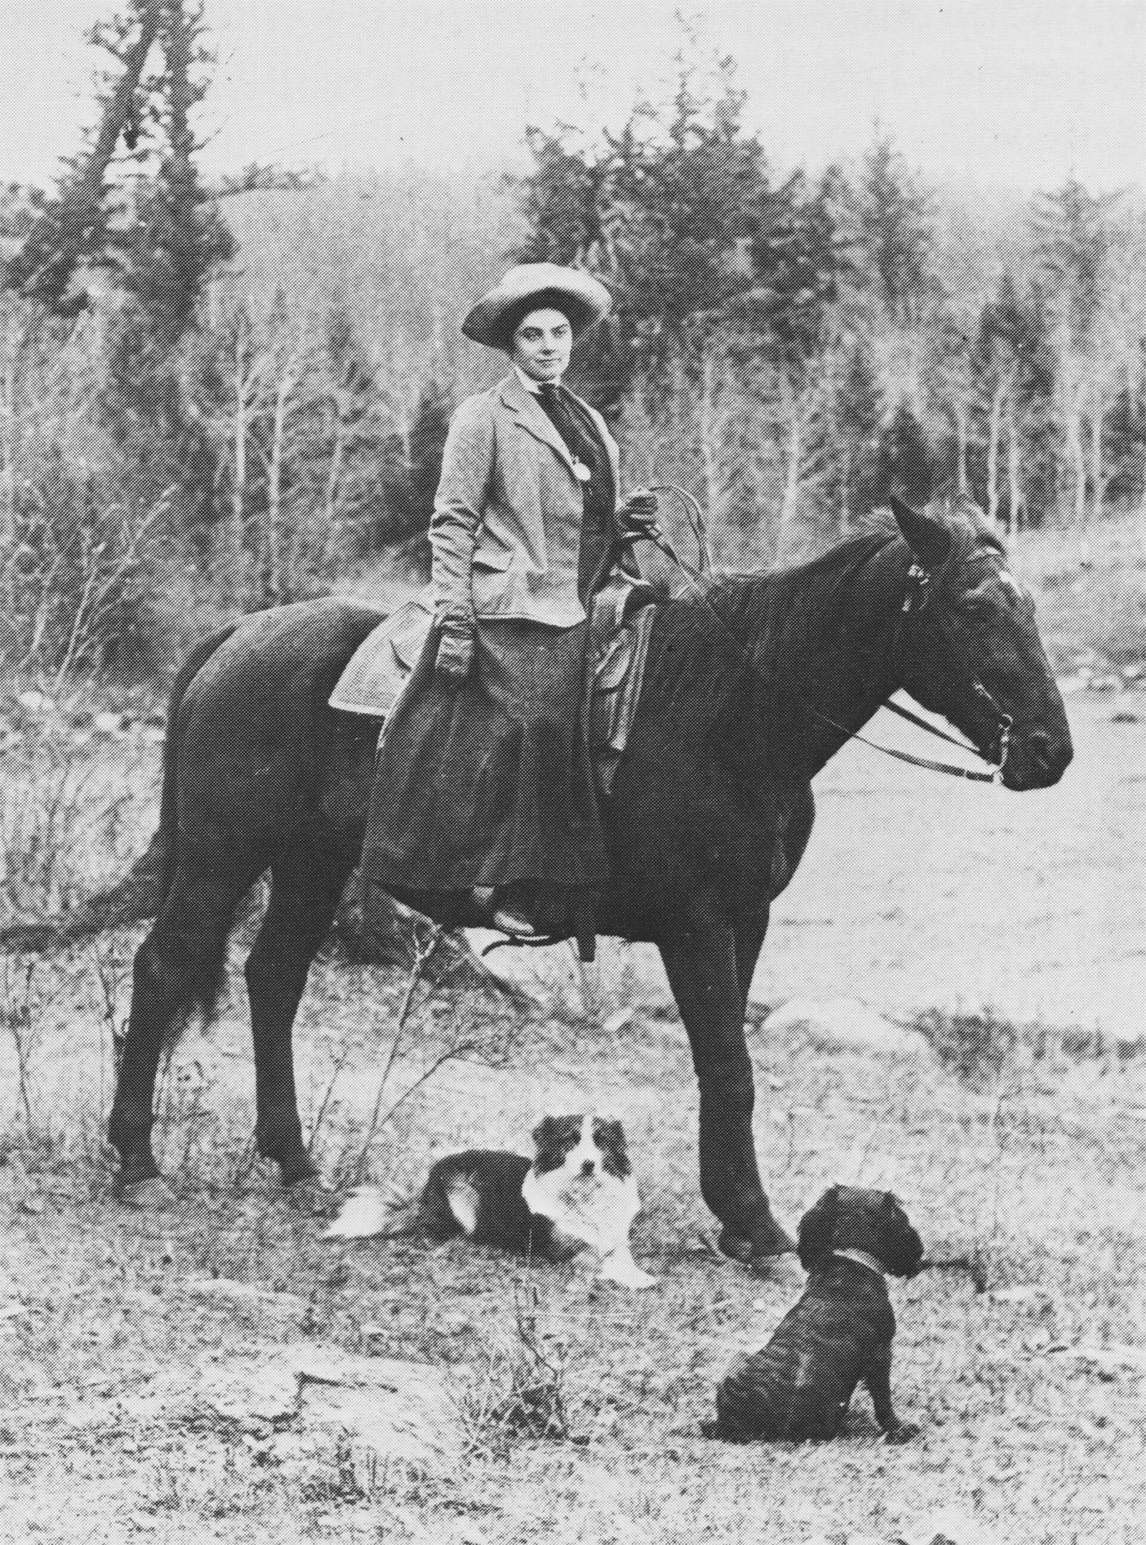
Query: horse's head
970, 648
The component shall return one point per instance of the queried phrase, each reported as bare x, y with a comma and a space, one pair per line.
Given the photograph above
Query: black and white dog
578, 1190
840, 1332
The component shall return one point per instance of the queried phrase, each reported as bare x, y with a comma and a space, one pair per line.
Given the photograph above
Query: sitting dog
578, 1190
799, 1385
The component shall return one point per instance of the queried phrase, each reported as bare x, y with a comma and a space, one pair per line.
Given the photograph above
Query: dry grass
1017, 1145
585, 1402
1091, 592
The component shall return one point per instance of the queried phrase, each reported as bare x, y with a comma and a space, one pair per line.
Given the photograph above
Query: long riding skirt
489, 782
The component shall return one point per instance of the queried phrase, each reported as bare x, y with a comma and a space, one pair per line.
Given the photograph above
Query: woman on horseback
484, 810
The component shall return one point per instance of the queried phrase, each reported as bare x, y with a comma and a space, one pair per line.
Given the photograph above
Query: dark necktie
565, 422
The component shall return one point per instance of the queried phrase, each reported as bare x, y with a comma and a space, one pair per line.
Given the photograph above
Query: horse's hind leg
178, 969
306, 883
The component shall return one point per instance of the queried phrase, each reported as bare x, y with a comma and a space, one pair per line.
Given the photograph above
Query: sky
1015, 93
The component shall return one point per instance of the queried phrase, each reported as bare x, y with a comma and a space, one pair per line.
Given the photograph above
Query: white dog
577, 1191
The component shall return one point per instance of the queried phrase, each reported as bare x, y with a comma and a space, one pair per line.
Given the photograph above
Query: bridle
915, 600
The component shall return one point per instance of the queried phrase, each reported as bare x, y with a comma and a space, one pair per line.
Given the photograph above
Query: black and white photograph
572, 772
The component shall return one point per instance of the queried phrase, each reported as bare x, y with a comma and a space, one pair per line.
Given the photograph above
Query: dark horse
749, 690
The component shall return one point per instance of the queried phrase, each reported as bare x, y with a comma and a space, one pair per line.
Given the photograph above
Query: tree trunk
708, 432
994, 435
1014, 476
179, 94
961, 447
1097, 473
793, 461
8, 442
57, 241
273, 577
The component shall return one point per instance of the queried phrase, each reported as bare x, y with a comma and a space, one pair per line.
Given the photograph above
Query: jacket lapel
532, 417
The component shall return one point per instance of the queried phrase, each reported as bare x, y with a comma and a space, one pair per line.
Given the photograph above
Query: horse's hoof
738, 1247
771, 1239
779, 1269
150, 1194
768, 1241
298, 1169
311, 1193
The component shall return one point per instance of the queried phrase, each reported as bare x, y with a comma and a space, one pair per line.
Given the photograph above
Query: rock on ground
845, 1023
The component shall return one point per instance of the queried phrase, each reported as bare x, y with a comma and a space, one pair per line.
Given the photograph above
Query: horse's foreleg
306, 883
748, 938
702, 971
177, 971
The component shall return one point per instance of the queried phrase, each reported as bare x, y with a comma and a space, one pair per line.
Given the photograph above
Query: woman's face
542, 341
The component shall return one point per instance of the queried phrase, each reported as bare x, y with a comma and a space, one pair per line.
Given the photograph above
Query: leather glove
637, 517
455, 655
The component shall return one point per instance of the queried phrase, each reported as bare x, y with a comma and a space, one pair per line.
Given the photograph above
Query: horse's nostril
1040, 749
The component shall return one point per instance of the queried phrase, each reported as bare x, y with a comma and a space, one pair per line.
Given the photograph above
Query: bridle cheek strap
916, 599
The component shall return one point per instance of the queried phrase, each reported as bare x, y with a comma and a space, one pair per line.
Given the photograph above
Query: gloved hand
455, 655
637, 517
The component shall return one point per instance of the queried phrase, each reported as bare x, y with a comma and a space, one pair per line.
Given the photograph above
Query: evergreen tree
904, 464
857, 416
158, 235
894, 231
1072, 236
75, 228
680, 216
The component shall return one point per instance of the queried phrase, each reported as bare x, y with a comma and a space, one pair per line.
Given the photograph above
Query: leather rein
915, 599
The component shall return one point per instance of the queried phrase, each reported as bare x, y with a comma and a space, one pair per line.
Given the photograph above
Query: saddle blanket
620, 625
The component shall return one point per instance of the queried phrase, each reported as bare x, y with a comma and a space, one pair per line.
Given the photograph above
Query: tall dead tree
73, 227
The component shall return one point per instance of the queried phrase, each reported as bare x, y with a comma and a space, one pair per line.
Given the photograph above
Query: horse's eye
974, 606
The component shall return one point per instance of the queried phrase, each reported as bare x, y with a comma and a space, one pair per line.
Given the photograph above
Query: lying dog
578, 1190
839, 1333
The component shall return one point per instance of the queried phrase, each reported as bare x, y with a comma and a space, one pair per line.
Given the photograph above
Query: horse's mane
757, 602
802, 620
707, 638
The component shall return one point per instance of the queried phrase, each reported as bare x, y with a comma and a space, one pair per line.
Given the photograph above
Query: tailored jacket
506, 531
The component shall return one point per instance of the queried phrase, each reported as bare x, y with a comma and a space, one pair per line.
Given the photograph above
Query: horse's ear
928, 538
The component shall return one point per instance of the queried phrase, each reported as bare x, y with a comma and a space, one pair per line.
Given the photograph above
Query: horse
752, 683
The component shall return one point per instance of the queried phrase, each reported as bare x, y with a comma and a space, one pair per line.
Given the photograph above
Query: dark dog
799, 1385
577, 1190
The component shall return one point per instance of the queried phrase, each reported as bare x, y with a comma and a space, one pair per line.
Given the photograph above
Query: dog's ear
610, 1139
612, 1133
901, 1247
816, 1231
545, 1131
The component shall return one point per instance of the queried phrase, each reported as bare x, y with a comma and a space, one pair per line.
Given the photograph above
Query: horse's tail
161, 855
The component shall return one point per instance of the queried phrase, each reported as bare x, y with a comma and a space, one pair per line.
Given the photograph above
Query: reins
916, 598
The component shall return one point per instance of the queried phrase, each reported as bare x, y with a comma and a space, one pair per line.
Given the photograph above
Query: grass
1017, 1145
1091, 592
584, 1403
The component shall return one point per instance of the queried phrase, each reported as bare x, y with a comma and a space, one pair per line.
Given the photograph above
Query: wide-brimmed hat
582, 298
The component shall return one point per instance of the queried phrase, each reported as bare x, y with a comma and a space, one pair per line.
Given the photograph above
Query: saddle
620, 623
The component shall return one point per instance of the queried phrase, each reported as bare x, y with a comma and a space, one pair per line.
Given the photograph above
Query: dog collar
861, 1258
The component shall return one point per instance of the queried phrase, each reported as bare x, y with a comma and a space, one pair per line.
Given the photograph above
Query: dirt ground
917, 893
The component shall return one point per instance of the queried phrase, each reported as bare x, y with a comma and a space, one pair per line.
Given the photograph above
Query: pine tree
894, 231
680, 215
858, 413
1072, 236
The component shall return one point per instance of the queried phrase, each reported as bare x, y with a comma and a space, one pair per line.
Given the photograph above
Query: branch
261, 179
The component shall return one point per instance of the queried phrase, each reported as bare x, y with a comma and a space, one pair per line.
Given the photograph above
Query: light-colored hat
493, 319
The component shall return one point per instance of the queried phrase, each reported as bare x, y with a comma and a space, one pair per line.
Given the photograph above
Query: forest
215, 398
